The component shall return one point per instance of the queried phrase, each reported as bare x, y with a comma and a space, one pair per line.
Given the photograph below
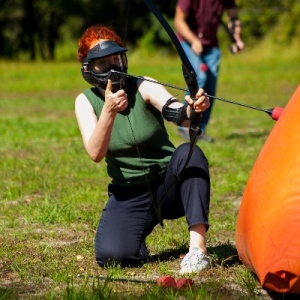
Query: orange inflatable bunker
268, 224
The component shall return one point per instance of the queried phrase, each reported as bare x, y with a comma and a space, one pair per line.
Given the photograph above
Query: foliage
34, 28
261, 18
288, 27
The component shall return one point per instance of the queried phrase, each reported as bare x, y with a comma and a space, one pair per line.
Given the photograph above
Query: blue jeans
206, 79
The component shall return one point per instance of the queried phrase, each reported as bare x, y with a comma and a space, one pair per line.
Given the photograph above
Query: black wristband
175, 115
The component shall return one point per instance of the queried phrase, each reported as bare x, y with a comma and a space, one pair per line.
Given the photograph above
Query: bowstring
134, 137
186, 90
145, 175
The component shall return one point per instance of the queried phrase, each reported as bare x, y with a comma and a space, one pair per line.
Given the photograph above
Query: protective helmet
100, 60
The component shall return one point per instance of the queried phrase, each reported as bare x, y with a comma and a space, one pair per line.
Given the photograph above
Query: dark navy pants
130, 215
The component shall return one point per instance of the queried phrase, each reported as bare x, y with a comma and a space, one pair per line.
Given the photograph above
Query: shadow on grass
169, 254
225, 255
247, 133
7, 293
280, 296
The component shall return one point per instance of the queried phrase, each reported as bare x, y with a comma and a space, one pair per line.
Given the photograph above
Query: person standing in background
196, 23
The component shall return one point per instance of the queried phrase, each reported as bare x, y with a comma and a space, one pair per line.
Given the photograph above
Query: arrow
274, 112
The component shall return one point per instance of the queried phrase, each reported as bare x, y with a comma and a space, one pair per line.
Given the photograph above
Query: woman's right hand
115, 102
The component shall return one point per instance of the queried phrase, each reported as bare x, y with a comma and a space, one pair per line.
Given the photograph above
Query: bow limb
188, 74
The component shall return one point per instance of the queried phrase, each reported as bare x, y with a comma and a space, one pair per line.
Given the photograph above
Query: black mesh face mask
99, 63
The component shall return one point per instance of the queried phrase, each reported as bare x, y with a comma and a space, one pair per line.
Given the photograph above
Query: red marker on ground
184, 283
167, 281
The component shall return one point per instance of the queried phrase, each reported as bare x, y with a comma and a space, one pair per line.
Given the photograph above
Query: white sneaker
194, 261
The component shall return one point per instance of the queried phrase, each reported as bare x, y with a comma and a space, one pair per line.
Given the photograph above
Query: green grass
52, 194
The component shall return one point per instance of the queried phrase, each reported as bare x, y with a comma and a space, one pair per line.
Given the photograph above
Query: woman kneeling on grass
121, 119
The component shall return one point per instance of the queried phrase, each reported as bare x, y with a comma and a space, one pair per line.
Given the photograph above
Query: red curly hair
94, 34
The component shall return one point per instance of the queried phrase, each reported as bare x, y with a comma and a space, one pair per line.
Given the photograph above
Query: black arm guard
175, 115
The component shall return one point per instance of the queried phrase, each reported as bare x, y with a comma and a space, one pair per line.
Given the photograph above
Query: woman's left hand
201, 103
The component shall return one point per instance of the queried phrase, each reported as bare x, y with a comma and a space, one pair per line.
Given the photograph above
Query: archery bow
188, 74
274, 112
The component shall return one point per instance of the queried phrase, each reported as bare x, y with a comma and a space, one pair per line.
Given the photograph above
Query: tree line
34, 27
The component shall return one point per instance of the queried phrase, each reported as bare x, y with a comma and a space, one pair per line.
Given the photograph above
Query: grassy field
52, 194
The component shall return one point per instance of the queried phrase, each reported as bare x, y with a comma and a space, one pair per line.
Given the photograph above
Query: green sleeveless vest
139, 143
